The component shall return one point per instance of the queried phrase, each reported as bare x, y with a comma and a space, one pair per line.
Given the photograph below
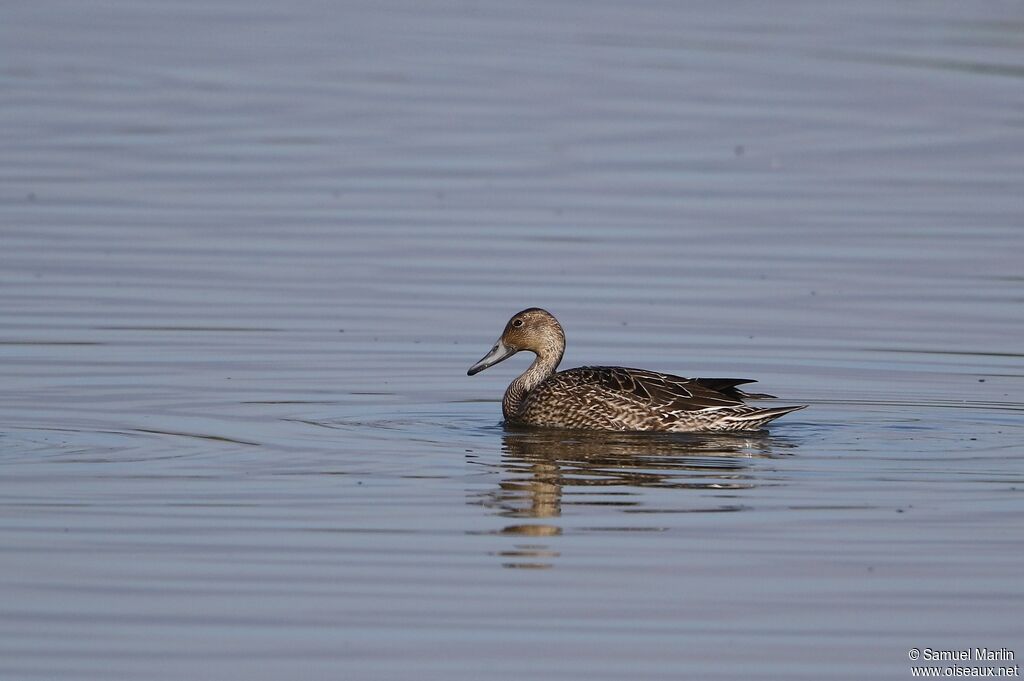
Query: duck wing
728, 387
663, 392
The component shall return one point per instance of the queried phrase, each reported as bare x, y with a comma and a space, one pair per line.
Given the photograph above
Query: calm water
249, 251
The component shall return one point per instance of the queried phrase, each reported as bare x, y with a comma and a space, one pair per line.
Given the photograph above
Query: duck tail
755, 418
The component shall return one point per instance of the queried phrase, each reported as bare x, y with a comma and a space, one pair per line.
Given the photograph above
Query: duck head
532, 329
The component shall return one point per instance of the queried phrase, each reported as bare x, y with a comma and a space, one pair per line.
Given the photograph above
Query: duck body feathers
625, 399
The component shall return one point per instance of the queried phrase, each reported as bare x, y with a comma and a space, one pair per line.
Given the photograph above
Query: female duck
612, 398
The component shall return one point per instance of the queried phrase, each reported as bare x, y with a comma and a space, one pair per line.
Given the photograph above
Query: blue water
248, 251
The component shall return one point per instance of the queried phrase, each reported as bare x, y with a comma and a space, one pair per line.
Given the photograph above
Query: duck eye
517, 323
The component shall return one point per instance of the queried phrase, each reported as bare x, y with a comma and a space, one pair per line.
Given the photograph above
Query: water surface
249, 251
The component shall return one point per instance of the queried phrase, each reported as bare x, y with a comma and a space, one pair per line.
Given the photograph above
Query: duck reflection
545, 469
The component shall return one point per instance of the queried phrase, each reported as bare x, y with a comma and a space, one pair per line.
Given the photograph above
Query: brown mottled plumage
613, 398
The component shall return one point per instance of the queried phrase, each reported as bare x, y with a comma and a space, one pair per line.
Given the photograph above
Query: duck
613, 398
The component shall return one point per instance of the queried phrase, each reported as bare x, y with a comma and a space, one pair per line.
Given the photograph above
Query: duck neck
543, 366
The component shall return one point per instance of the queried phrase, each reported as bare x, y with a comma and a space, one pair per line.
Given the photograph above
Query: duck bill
499, 352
